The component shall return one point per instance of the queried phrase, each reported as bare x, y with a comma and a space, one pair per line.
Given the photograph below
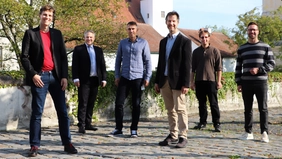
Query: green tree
72, 17
224, 30
270, 27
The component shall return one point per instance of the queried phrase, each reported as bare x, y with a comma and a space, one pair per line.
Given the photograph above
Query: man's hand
64, 83
157, 89
184, 90
239, 88
37, 81
146, 83
254, 71
77, 84
103, 84
219, 85
192, 86
117, 81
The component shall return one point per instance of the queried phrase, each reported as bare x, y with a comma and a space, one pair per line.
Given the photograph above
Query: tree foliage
270, 27
224, 30
72, 17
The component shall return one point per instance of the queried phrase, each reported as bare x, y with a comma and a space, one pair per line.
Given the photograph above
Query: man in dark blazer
173, 80
45, 62
88, 72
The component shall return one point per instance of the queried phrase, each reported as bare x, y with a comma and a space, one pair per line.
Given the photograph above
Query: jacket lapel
37, 33
52, 41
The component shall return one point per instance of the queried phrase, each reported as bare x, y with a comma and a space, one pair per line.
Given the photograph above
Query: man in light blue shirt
133, 70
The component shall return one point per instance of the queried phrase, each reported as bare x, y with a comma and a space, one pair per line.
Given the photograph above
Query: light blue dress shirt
133, 60
169, 44
92, 55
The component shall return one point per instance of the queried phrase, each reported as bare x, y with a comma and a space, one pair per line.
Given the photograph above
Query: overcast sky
195, 14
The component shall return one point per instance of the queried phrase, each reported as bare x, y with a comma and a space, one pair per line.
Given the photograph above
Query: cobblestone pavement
201, 143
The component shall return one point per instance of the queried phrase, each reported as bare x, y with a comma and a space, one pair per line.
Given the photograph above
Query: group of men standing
45, 62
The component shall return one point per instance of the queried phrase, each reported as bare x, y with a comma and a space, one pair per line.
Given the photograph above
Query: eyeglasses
204, 37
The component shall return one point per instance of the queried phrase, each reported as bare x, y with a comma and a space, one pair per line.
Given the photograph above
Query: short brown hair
171, 14
47, 7
253, 23
204, 30
132, 23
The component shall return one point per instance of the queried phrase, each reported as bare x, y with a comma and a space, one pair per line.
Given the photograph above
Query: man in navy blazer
173, 80
45, 62
88, 73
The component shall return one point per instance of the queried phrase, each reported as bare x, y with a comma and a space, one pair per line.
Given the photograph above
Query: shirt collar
88, 45
173, 35
137, 38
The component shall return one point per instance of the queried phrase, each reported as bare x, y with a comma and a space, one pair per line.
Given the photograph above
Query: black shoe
217, 128
81, 129
91, 127
33, 151
200, 126
116, 132
168, 140
182, 143
70, 149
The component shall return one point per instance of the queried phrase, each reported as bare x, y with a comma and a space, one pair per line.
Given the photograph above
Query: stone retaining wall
15, 107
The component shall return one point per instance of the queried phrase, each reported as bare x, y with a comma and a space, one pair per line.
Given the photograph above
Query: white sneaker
247, 136
134, 134
264, 137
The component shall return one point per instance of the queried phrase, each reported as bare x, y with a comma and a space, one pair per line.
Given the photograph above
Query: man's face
89, 38
172, 23
46, 18
205, 39
132, 31
253, 32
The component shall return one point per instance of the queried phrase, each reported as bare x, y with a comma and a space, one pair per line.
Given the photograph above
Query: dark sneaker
33, 151
168, 140
115, 132
217, 128
81, 129
134, 134
200, 126
182, 143
70, 149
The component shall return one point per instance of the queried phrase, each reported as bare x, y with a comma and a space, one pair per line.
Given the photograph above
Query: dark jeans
260, 91
38, 100
204, 89
122, 92
87, 94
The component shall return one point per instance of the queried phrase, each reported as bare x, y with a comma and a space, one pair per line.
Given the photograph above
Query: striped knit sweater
253, 55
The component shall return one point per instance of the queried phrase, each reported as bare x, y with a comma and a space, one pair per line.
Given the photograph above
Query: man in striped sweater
255, 59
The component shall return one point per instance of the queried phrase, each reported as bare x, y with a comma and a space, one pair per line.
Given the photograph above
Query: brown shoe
182, 143
69, 148
168, 140
33, 151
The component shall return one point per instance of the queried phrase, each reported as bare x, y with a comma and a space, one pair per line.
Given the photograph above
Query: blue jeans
38, 100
